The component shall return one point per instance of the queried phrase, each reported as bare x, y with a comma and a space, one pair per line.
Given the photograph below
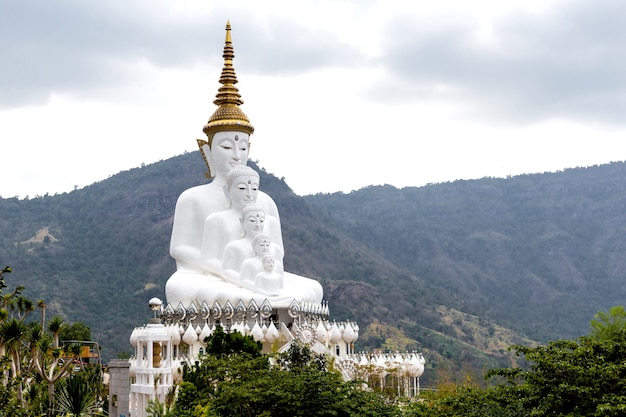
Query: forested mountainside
538, 253
460, 270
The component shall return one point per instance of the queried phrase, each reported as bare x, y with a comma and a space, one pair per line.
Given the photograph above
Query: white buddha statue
223, 227
237, 251
200, 278
255, 271
268, 280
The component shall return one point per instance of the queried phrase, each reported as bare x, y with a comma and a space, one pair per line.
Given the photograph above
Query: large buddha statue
207, 218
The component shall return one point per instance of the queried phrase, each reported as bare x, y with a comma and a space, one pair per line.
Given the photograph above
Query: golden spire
228, 115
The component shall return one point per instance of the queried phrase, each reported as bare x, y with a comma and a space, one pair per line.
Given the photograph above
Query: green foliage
236, 382
606, 325
585, 377
236, 356
155, 409
77, 396
75, 331
300, 358
222, 344
471, 402
307, 392
9, 403
32, 366
582, 377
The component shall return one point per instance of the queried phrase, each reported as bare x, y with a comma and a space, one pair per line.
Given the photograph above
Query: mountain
460, 270
540, 253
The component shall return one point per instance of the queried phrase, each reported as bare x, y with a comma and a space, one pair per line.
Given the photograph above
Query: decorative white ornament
271, 335
190, 336
257, 332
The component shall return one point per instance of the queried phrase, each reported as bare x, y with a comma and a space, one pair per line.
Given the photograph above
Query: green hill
460, 270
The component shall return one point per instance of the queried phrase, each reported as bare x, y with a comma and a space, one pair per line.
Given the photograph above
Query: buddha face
262, 246
268, 263
228, 150
243, 191
253, 223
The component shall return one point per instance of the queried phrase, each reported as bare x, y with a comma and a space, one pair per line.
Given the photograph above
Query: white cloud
343, 94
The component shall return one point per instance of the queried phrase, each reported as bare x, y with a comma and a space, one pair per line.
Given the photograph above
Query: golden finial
228, 115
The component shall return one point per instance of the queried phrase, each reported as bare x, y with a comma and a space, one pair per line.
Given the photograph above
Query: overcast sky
343, 94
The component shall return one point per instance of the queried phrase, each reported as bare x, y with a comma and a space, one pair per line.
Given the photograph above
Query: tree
222, 344
239, 381
229, 355
77, 396
605, 325
30, 361
42, 305
12, 332
75, 331
51, 366
301, 384
55, 327
582, 377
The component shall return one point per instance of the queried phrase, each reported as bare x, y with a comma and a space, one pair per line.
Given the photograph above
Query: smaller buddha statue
255, 274
237, 251
223, 227
269, 281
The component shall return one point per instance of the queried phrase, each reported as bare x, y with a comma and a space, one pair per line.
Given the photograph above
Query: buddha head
242, 187
252, 220
224, 151
268, 263
261, 244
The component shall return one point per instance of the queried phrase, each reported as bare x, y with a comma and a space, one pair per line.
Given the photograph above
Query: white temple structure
227, 244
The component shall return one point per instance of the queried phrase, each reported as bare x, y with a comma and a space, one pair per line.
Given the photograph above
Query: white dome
206, 332
335, 334
271, 335
349, 335
322, 334
257, 332
190, 336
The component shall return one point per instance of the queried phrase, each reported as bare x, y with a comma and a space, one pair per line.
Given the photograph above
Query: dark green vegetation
582, 377
461, 270
37, 376
234, 379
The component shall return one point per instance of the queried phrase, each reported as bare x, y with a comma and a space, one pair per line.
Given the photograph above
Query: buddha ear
206, 152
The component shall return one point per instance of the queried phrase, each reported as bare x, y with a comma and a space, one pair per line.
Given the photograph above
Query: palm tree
33, 335
12, 333
19, 305
51, 366
9, 300
42, 305
55, 327
77, 397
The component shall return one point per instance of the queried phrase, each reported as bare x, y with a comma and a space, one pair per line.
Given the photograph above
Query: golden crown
228, 115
